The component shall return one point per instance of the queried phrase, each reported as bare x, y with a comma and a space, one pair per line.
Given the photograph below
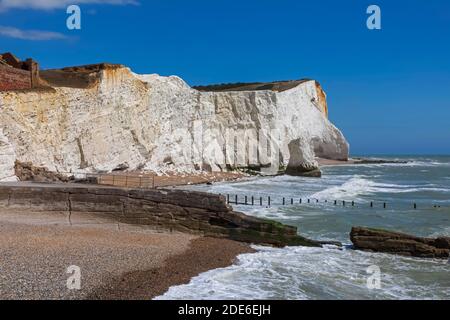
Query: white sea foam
444, 232
359, 186
351, 189
317, 273
401, 162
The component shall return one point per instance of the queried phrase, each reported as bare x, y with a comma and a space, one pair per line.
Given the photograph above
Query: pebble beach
116, 262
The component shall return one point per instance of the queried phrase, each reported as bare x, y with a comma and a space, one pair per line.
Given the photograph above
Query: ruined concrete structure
16, 74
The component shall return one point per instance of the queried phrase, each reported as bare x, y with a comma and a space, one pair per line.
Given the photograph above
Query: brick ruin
16, 74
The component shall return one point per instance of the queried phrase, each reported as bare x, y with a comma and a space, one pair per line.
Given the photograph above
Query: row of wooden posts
255, 201
149, 182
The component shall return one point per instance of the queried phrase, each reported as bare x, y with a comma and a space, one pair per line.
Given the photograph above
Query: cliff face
123, 120
7, 158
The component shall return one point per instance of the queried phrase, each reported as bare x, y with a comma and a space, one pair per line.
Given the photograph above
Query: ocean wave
360, 186
272, 212
399, 162
327, 273
351, 189
300, 273
412, 163
443, 232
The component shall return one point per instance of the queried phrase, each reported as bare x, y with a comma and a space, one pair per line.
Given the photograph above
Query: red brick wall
14, 79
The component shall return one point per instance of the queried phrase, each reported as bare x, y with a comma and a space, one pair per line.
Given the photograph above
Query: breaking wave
328, 273
300, 273
360, 186
409, 163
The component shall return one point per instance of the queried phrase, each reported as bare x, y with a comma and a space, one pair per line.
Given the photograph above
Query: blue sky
388, 90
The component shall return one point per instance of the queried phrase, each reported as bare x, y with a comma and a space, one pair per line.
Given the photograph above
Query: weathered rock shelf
377, 240
174, 210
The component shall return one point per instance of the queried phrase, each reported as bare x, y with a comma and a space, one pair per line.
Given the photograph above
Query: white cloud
55, 4
42, 35
35, 35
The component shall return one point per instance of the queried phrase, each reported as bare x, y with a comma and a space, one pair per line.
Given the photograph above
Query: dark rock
331, 243
316, 173
377, 240
26, 171
378, 161
121, 167
442, 243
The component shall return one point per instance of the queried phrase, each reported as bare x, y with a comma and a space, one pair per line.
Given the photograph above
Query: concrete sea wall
173, 210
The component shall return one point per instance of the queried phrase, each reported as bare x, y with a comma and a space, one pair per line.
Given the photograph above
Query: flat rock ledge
377, 240
174, 210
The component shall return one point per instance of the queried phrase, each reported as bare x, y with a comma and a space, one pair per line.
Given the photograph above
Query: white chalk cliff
118, 119
7, 159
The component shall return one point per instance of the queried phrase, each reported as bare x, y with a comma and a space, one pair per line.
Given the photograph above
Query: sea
302, 273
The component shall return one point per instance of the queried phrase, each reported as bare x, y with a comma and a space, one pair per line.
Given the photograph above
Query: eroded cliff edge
104, 117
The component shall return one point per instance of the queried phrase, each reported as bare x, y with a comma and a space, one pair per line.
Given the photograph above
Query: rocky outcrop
185, 211
299, 164
97, 118
377, 240
377, 161
27, 172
